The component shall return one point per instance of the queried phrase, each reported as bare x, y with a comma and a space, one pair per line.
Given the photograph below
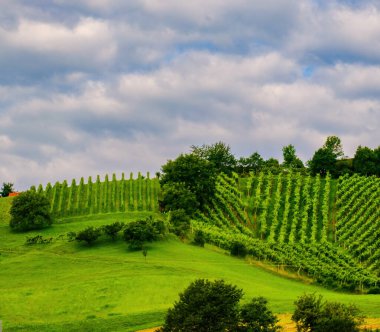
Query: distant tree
254, 163
218, 154
89, 235
365, 161
313, 315
334, 144
194, 172
272, 165
205, 306
30, 210
322, 162
6, 189
113, 229
290, 158
256, 317
176, 196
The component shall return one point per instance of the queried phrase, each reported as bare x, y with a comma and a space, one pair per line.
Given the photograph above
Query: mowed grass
66, 286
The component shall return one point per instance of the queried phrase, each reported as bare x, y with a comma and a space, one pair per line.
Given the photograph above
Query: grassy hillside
67, 286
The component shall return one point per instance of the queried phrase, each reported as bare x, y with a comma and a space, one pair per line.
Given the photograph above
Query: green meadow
67, 286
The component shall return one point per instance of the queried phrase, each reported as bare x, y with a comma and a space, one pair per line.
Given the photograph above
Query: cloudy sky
92, 87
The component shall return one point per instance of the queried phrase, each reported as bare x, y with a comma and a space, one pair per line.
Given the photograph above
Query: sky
92, 87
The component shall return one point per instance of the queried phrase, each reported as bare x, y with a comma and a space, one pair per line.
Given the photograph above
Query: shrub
112, 229
374, 290
89, 235
30, 210
138, 232
238, 249
199, 238
313, 315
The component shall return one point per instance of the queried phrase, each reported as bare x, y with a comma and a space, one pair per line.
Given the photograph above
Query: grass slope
65, 286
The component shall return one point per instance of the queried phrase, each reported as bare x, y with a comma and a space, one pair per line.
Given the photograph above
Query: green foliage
179, 222
6, 189
313, 315
113, 229
38, 239
141, 231
254, 163
322, 162
194, 172
89, 235
177, 196
238, 249
30, 210
366, 161
199, 238
205, 306
333, 144
256, 317
219, 155
290, 158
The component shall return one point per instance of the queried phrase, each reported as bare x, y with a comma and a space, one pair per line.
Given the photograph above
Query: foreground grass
65, 286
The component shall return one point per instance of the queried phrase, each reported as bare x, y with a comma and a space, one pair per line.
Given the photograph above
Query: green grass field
65, 286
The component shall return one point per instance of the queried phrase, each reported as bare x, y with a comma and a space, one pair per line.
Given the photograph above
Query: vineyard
107, 196
326, 229
297, 221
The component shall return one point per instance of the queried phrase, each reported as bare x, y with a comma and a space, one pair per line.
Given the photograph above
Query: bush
374, 290
238, 249
205, 306
138, 232
214, 306
112, 229
89, 235
30, 210
255, 316
199, 238
313, 315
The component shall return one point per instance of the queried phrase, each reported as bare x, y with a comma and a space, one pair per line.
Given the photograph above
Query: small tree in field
6, 189
89, 235
30, 210
112, 229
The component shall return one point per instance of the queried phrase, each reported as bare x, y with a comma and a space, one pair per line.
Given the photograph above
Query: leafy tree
205, 306
112, 229
253, 163
272, 165
322, 162
256, 317
89, 235
177, 196
334, 145
6, 189
194, 172
30, 210
180, 222
365, 161
313, 315
238, 249
141, 231
218, 154
290, 158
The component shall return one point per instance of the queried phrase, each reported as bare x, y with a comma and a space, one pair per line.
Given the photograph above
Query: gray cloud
95, 87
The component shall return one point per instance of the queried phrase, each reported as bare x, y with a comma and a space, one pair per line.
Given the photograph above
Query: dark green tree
138, 232
205, 306
323, 161
365, 161
6, 189
313, 315
254, 163
290, 158
30, 210
194, 172
89, 235
175, 196
199, 238
218, 154
255, 316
